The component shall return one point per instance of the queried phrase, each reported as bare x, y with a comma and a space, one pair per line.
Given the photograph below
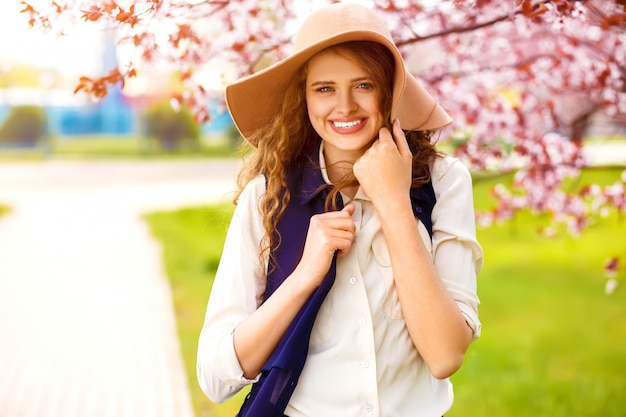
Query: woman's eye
365, 86
324, 89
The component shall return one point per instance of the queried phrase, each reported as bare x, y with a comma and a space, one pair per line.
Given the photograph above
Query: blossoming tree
520, 77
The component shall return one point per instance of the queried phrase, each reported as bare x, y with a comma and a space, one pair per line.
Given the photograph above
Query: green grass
553, 343
192, 244
98, 146
95, 147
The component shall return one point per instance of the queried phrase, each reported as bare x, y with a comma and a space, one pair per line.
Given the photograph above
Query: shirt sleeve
457, 254
237, 292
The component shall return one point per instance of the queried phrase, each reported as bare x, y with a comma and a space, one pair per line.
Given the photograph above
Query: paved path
87, 327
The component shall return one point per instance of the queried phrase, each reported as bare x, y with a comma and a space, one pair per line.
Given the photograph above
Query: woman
331, 295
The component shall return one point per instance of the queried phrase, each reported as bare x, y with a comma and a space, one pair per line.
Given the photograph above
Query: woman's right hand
256, 337
328, 233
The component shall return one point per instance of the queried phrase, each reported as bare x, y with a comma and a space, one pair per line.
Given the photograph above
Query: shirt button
362, 322
366, 364
369, 408
352, 280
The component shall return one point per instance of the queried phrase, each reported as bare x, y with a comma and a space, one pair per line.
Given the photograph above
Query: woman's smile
348, 126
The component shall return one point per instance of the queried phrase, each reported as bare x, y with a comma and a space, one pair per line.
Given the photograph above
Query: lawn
553, 343
127, 147
192, 243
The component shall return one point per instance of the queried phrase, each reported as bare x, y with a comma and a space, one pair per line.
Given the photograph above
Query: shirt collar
315, 182
315, 179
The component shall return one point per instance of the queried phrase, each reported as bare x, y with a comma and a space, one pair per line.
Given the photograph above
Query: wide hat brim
254, 100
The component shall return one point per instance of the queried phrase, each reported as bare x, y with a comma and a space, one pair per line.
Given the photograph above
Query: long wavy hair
290, 139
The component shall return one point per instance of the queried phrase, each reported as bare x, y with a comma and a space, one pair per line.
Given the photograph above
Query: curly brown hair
290, 138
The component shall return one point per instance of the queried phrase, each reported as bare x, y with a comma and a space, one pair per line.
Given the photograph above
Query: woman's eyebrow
354, 80
321, 82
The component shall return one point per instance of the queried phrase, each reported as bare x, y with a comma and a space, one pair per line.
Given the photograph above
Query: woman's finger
401, 142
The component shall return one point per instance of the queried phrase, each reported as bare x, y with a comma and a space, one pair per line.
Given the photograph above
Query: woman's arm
434, 320
240, 330
256, 337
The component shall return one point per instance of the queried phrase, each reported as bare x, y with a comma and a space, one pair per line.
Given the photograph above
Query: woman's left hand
384, 171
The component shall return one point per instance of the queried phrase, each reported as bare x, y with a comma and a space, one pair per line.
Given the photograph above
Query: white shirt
361, 359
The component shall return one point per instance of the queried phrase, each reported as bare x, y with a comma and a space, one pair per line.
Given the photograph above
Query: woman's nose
346, 103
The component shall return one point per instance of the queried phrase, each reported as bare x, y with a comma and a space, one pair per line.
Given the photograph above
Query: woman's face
343, 105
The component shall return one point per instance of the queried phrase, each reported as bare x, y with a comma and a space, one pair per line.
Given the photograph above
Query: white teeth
346, 125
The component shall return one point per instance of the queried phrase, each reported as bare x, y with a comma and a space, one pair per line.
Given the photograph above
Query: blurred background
114, 207
41, 115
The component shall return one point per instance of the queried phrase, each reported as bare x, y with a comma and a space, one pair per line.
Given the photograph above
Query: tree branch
471, 28
457, 30
491, 68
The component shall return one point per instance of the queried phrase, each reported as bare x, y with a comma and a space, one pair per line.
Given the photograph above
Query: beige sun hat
255, 99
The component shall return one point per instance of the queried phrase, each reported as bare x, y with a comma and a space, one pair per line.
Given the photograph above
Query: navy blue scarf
279, 376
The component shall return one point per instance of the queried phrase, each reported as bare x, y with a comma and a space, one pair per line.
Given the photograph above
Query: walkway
87, 326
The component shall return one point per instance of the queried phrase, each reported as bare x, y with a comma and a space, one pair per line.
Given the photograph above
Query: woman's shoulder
248, 200
254, 188
447, 165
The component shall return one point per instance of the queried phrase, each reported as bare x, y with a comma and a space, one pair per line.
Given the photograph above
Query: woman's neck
339, 168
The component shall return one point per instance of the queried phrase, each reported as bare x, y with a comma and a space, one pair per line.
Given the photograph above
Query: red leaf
128, 17
80, 87
27, 8
58, 7
123, 16
138, 38
92, 14
110, 6
527, 7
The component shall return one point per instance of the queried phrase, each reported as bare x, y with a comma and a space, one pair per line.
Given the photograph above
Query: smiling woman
333, 265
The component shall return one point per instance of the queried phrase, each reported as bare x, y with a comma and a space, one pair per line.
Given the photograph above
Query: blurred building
118, 113
70, 115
